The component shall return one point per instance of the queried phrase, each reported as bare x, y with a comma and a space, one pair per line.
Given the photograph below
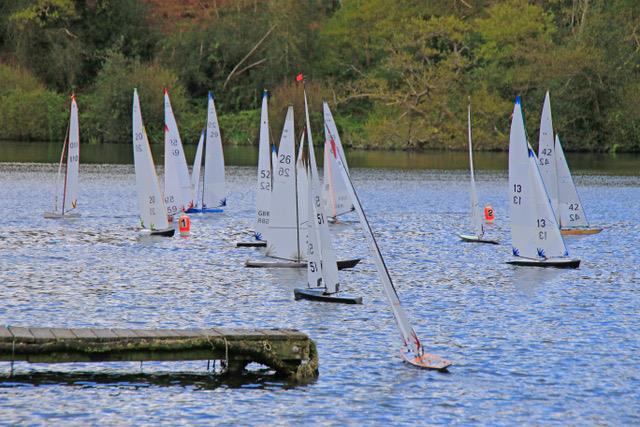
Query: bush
28, 111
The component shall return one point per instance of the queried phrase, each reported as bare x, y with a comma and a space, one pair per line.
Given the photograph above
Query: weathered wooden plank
123, 333
83, 333
42, 333
20, 333
63, 334
288, 352
104, 334
5, 333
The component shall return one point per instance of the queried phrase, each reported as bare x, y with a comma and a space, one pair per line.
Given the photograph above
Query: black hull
256, 244
165, 233
569, 263
319, 295
342, 264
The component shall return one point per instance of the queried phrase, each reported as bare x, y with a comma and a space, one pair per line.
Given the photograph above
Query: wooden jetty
289, 352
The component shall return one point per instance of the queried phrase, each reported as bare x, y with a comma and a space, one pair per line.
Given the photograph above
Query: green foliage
28, 111
398, 74
109, 107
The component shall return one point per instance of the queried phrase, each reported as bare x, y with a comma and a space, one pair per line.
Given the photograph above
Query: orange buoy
184, 225
489, 214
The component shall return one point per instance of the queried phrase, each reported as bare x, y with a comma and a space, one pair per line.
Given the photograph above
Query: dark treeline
397, 73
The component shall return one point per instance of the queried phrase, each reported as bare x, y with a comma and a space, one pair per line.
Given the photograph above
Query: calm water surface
530, 346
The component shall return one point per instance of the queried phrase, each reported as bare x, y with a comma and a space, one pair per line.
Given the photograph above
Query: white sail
73, 161
329, 266
283, 224
534, 230
570, 207
215, 194
335, 189
547, 155
153, 212
409, 337
263, 191
314, 256
195, 173
302, 187
476, 215
177, 183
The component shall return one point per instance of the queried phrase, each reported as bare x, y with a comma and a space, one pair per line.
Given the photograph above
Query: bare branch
256, 46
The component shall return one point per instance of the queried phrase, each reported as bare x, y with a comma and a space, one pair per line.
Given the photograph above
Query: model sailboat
566, 203
263, 189
70, 153
322, 267
153, 211
177, 182
535, 234
412, 351
335, 189
476, 214
195, 174
287, 221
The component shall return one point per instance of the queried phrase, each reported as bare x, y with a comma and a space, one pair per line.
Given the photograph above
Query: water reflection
38, 152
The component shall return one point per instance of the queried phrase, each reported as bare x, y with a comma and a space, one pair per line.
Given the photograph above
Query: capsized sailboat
153, 211
287, 229
412, 351
476, 214
336, 197
177, 182
566, 203
322, 268
263, 189
535, 235
70, 153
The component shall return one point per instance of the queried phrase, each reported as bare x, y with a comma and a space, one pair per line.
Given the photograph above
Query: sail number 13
517, 200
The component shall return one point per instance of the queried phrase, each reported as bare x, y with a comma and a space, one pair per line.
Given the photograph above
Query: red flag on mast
299, 77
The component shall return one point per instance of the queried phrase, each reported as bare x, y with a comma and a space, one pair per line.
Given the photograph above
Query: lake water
529, 346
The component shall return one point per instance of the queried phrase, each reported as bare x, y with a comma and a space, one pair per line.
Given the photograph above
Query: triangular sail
195, 173
335, 189
570, 207
409, 337
215, 193
283, 225
547, 155
314, 255
328, 265
263, 191
73, 161
534, 230
177, 183
302, 187
476, 215
153, 212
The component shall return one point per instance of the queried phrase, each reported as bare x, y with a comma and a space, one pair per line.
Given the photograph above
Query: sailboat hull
476, 239
557, 262
58, 215
204, 210
579, 231
342, 264
166, 233
256, 244
425, 361
320, 295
